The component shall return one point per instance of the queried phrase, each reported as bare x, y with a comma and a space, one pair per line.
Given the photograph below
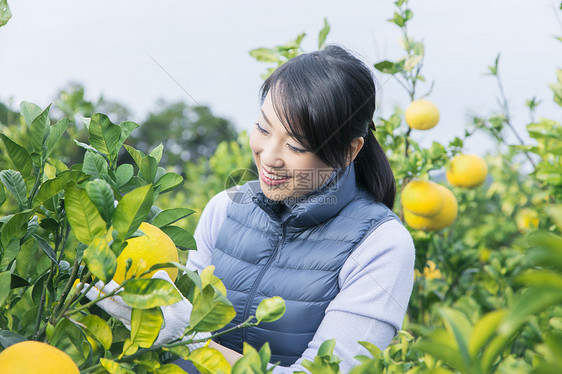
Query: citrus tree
69, 227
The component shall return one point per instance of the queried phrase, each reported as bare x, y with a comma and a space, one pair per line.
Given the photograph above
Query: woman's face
286, 169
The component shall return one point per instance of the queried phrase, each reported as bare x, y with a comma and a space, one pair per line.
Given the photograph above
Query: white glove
176, 316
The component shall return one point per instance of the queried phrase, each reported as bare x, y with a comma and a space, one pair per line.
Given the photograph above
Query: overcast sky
111, 48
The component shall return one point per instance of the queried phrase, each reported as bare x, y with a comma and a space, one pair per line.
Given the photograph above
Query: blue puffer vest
262, 251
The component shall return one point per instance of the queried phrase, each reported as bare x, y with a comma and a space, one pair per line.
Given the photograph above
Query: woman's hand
176, 316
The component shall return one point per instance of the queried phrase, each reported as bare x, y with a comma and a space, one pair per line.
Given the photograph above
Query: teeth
270, 176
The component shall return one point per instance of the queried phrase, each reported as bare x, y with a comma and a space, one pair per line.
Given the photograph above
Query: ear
356, 145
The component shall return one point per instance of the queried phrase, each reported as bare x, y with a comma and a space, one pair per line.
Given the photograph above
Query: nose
271, 156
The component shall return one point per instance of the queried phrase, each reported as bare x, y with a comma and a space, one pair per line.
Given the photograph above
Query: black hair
326, 99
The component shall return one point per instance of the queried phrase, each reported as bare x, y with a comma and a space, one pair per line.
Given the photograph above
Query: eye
260, 129
298, 150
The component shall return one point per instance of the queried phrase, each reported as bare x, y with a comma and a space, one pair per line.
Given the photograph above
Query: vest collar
316, 206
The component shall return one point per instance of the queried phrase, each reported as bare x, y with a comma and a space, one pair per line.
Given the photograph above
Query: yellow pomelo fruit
153, 248
467, 171
422, 114
442, 219
422, 198
31, 357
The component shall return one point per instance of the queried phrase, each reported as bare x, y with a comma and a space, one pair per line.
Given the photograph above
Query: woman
317, 227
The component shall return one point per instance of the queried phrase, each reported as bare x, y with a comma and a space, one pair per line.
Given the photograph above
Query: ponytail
372, 170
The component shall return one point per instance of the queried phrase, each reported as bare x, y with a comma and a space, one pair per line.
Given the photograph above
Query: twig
508, 118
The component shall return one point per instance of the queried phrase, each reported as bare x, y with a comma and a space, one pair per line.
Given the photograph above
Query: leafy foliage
67, 224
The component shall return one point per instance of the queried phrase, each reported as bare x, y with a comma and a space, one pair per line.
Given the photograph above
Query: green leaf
5, 281
11, 250
327, 348
250, 362
56, 132
132, 210
148, 168
126, 129
14, 182
53, 186
18, 282
459, 328
530, 302
100, 259
209, 361
149, 293
325, 361
145, 326
182, 238
19, 156
373, 349
211, 310
168, 182
123, 174
412, 62
32, 227
69, 338
98, 329
555, 212
135, 154
264, 55
387, 67
408, 14
443, 352
101, 194
323, 34
114, 367
88, 148
187, 283
170, 369
39, 130
2, 194
484, 329
543, 277
157, 153
29, 112
16, 226
181, 351
104, 136
397, 19
548, 251
46, 248
5, 13
150, 365
8, 338
207, 277
169, 216
270, 309
94, 165
82, 215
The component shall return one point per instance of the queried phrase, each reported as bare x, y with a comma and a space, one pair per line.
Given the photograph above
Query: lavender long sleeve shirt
375, 286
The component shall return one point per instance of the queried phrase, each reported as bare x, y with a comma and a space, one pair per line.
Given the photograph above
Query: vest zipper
260, 276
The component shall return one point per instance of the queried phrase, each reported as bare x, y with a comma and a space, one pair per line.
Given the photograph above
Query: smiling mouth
272, 179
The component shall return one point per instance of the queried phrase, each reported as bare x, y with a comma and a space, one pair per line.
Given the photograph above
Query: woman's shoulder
391, 233
220, 201
389, 240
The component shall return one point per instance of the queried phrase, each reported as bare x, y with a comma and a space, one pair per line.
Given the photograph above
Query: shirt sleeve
207, 230
376, 282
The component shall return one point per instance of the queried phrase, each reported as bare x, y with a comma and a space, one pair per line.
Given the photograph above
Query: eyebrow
269, 123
